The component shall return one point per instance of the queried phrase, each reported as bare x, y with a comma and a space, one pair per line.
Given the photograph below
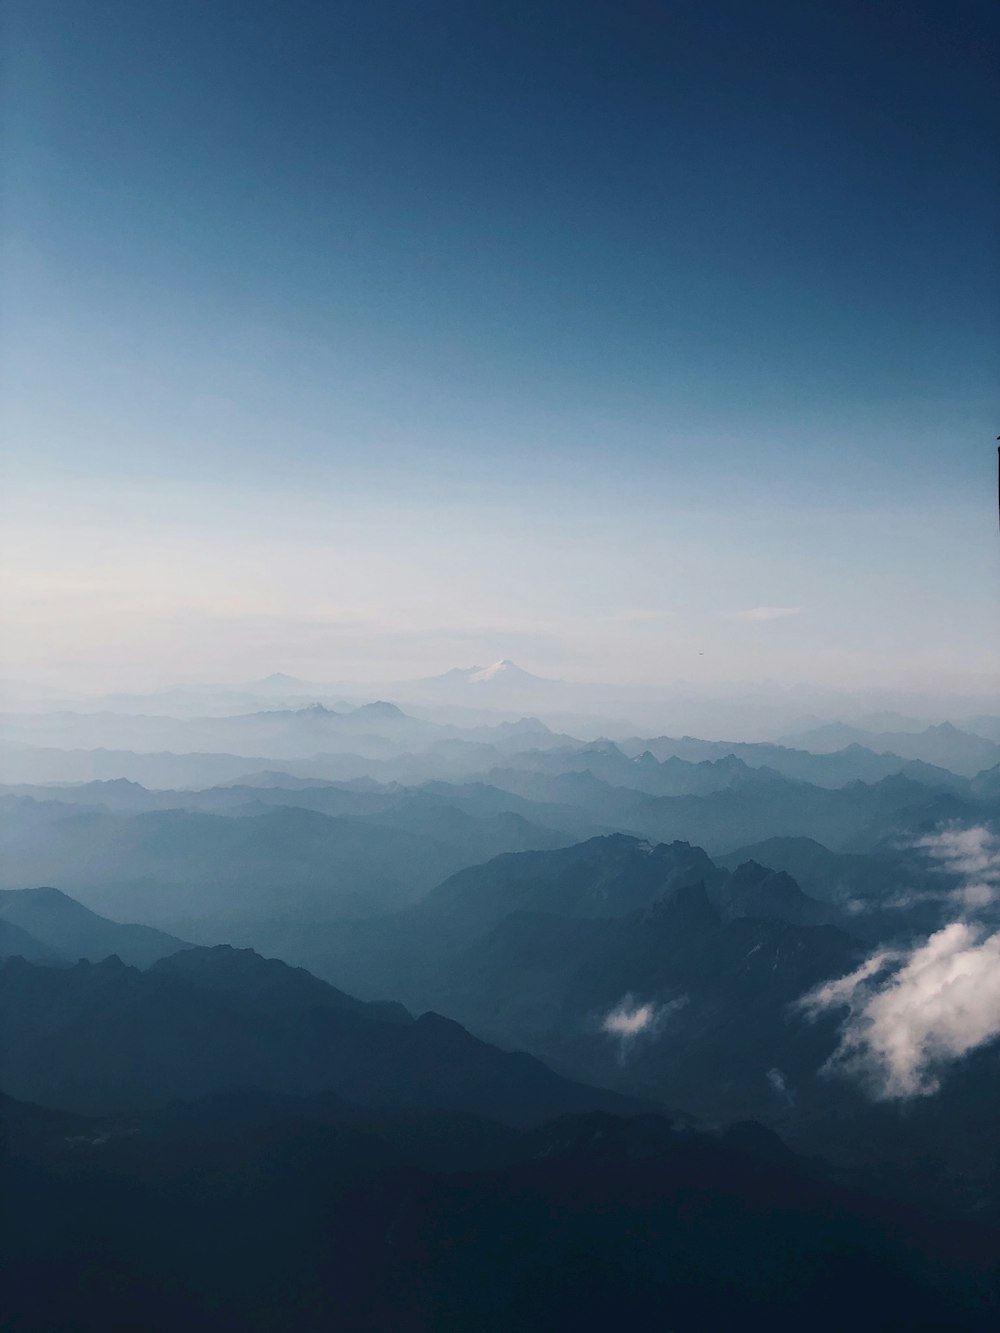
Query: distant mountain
312, 740
118, 794
603, 877
846, 762
379, 709
15, 942
372, 730
106, 1037
610, 877
440, 757
853, 817
502, 673
500, 686
888, 720
188, 869
35, 764
379, 742
757, 890
944, 745
279, 682
861, 879
273, 777
658, 768
68, 930
892, 892
985, 724
176, 866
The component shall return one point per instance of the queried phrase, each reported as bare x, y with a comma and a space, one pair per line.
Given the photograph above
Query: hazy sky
631, 341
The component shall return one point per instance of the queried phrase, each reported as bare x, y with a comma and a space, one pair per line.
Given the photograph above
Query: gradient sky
382, 337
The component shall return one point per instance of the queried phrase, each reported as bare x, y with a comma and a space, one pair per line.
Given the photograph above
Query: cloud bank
913, 1012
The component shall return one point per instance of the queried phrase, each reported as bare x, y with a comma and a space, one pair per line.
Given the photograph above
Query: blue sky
381, 337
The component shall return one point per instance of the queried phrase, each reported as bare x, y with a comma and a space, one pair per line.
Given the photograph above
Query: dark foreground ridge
248, 1210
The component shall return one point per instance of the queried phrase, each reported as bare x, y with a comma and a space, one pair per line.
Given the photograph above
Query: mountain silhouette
250, 1210
106, 1037
70, 931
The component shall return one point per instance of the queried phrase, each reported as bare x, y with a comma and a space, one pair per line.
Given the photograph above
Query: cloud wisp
912, 1012
757, 614
631, 1019
974, 855
777, 1081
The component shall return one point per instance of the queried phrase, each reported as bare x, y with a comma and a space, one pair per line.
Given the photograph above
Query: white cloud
756, 614
631, 1019
972, 853
629, 1022
912, 1012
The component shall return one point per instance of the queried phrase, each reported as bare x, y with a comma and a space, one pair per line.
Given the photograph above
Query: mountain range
481, 695
537, 949
251, 1210
46, 925
158, 1121
617, 932
259, 862
944, 745
243, 861
102, 1038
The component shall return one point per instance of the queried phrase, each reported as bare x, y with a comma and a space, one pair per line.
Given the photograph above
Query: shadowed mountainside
67, 930
107, 1037
255, 1210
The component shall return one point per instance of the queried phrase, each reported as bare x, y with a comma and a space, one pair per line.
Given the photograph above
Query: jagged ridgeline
400, 1100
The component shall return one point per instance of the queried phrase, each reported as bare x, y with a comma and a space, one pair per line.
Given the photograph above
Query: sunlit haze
649, 345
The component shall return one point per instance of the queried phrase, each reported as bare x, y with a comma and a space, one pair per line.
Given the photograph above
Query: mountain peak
379, 708
525, 725
498, 677
505, 667
64, 925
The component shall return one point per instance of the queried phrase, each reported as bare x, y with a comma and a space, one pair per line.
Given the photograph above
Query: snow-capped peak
501, 668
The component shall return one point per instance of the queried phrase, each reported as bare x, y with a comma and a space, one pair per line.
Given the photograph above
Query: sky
635, 342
